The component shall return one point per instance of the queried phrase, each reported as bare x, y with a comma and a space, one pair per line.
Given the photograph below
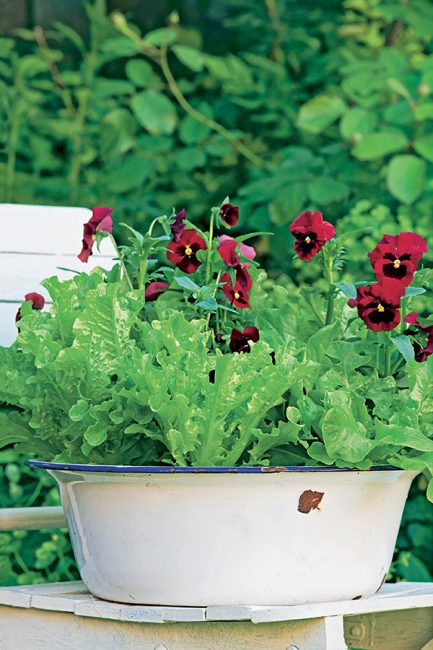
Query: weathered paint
64, 615
309, 500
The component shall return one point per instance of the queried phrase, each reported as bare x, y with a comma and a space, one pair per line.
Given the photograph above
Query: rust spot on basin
381, 583
271, 470
309, 500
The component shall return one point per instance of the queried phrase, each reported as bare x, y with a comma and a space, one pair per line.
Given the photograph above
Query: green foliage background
279, 104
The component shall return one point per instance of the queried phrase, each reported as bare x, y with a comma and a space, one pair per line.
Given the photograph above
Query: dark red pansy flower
182, 252
311, 234
235, 293
379, 304
37, 301
100, 220
239, 340
397, 256
229, 214
227, 249
154, 290
421, 353
243, 278
178, 226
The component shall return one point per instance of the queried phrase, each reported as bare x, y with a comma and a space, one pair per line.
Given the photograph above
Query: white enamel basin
232, 538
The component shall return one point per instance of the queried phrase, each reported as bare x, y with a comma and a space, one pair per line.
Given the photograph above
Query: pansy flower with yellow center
237, 293
183, 251
379, 304
311, 233
398, 256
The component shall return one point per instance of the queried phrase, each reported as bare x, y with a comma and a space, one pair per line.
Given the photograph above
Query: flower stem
204, 119
213, 295
77, 116
403, 314
330, 307
19, 560
277, 52
209, 250
328, 263
122, 263
388, 354
142, 276
45, 50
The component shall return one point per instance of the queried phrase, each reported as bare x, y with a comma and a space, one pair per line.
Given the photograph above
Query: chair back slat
35, 241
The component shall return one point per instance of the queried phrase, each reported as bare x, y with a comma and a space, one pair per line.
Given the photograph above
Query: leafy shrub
37, 556
328, 108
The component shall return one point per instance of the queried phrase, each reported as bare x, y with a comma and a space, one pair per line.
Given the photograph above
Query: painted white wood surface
32, 518
36, 240
42, 229
392, 597
23, 629
65, 615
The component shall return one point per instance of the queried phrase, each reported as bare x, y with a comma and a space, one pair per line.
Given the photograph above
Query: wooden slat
41, 229
391, 598
65, 608
27, 596
61, 595
35, 241
21, 274
32, 518
8, 330
388, 599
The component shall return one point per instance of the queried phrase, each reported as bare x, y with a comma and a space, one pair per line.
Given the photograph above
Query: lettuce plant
368, 399
141, 363
186, 353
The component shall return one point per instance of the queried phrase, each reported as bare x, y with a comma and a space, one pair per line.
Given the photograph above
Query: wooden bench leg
408, 629
21, 629
317, 634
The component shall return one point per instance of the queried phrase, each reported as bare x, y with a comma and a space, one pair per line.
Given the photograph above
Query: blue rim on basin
167, 469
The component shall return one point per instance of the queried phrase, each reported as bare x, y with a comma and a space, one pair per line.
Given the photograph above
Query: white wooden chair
34, 241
